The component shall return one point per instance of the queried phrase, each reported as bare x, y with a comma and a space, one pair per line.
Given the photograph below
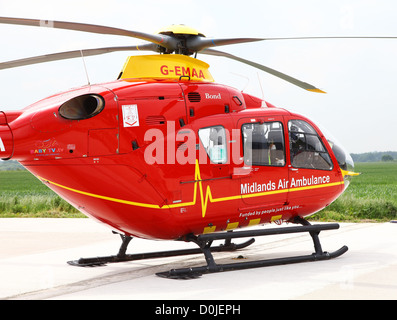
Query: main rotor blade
332, 37
200, 43
74, 54
160, 39
273, 72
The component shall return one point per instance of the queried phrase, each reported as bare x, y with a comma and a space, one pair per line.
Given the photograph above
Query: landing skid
212, 267
123, 257
204, 243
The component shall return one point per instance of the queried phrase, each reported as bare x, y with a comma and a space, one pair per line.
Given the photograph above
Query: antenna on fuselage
85, 68
260, 84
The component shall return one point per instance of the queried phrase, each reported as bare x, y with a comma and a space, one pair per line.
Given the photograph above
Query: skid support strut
123, 257
204, 242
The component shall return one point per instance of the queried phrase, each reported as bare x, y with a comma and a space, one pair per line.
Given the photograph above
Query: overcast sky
359, 76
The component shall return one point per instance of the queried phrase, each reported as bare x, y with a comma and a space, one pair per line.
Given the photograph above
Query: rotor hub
181, 33
180, 30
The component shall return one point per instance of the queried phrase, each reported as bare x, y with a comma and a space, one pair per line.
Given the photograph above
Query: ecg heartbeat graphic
208, 194
205, 197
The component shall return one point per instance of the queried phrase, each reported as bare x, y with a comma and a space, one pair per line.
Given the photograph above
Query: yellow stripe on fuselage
205, 199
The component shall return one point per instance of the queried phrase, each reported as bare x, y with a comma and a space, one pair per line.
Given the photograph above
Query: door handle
241, 172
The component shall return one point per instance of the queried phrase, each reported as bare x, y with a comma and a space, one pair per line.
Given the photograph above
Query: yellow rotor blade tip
316, 90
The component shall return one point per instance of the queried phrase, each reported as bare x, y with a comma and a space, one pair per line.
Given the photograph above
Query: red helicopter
164, 152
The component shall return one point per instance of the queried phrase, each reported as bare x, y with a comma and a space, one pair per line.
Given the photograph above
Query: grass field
370, 196
23, 195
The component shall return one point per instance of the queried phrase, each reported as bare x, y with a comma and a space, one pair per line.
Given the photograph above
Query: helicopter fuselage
160, 159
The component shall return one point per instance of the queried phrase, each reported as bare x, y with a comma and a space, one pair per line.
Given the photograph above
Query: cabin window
307, 149
214, 142
263, 144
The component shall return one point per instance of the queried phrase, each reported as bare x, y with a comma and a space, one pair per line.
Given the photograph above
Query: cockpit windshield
345, 161
307, 149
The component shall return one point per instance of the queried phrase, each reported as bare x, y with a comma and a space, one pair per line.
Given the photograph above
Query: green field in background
23, 195
370, 196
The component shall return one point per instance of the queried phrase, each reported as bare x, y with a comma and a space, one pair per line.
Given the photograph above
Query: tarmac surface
34, 255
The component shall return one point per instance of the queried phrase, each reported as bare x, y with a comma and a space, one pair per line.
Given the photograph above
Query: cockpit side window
306, 148
263, 144
214, 142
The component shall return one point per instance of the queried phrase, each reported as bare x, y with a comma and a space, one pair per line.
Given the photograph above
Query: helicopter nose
345, 162
6, 138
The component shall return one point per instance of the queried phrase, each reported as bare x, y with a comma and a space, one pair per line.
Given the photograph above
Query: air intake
194, 97
82, 107
155, 120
